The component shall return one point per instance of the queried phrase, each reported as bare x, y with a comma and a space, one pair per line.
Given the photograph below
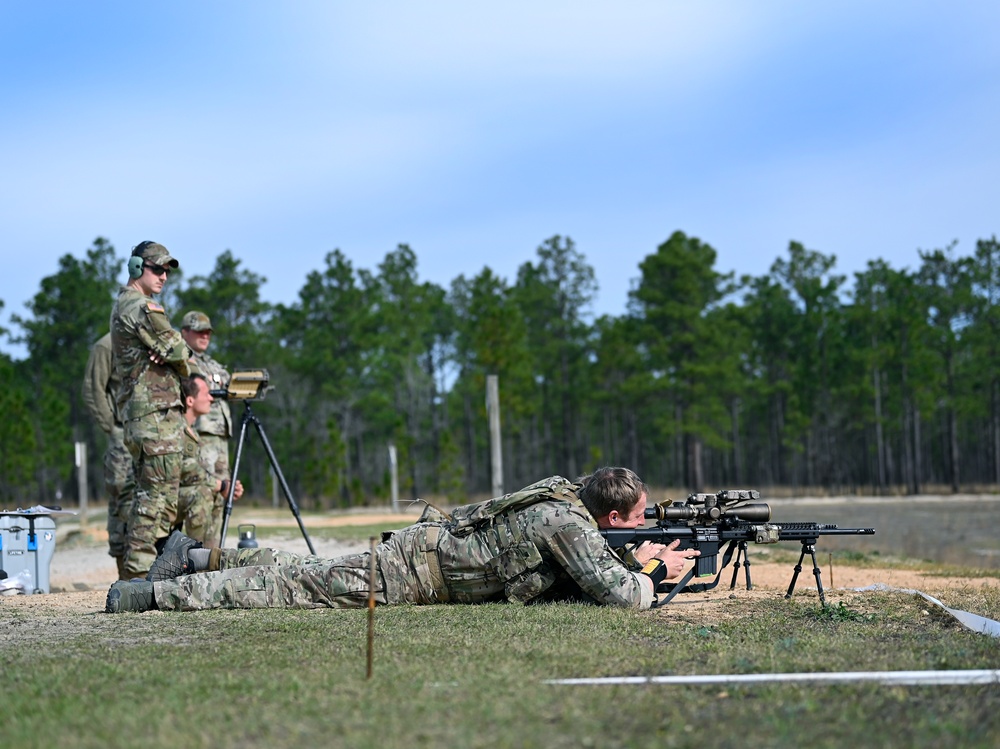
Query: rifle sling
673, 589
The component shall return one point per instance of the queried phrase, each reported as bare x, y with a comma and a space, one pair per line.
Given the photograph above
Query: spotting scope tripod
249, 386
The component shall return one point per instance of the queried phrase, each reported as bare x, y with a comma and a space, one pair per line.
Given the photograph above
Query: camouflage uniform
100, 389
548, 550
216, 427
151, 407
197, 501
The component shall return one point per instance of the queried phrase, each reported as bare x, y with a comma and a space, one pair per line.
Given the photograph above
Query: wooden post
496, 450
371, 607
81, 479
393, 478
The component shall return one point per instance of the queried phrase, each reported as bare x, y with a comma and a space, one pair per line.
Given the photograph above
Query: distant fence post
496, 451
393, 478
80, 453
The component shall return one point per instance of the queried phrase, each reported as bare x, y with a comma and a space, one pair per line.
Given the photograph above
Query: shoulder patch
154, 307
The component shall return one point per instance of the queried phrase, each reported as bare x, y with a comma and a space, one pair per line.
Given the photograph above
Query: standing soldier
149, 357
216, 427
100, 394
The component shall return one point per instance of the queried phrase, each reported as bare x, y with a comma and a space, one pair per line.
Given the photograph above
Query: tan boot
120, 562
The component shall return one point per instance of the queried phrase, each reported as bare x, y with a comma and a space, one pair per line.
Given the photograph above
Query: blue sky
474, 131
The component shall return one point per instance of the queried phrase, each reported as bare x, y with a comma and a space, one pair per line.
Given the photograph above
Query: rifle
708, 521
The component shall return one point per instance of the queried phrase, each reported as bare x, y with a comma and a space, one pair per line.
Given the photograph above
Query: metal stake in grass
371, 606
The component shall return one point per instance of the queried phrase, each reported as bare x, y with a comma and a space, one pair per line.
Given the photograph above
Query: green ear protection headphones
135, 262
135, 267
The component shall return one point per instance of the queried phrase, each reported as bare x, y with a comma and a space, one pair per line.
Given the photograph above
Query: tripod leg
228, 507
795, 575
746, 565
740, 550
284, 484
817, 574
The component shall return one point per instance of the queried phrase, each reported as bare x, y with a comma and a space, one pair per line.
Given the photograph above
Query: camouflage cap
155, 253
196, 321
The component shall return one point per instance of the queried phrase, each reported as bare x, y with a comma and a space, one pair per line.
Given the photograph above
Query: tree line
791, 379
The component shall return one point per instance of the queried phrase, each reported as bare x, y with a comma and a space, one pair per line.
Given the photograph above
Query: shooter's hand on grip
675, 559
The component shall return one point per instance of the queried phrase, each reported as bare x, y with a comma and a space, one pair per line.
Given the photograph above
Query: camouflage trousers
155, 442
268, 578
118, 483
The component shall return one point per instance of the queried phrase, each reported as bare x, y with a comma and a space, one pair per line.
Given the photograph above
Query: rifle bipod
808, 545
741, 551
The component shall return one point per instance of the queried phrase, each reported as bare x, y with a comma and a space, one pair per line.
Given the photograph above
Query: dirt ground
81, 570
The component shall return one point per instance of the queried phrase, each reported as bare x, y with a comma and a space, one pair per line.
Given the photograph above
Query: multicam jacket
139, 326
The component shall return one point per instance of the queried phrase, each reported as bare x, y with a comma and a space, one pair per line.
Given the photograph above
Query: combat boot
173, 560
132, 595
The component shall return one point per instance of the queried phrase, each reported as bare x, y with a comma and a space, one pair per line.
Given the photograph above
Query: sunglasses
157, 270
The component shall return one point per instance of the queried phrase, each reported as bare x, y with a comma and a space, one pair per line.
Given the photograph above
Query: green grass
472, 676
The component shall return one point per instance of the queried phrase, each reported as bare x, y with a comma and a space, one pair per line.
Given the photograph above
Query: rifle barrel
721, 532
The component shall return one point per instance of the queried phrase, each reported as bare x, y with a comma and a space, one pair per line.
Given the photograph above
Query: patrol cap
155, 253
196, 321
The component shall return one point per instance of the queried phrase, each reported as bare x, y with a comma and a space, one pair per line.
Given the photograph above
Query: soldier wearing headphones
149, 356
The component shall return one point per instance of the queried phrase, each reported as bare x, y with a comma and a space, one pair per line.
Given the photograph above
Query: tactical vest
518, 563
467, 518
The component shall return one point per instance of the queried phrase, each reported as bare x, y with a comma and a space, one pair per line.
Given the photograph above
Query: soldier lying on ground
539, 544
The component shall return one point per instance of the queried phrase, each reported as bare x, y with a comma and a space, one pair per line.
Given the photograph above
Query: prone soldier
539, 544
